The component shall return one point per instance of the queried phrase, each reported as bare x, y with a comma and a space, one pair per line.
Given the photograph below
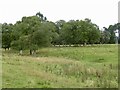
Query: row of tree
36, 31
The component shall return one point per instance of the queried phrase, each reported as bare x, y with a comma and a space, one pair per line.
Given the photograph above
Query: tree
31, 30
84, 28
105, 37
111, 29
79, 32
6, 35
117, 26
66, 34
41, 16
34, 32
59, 25
21, 44
93, 33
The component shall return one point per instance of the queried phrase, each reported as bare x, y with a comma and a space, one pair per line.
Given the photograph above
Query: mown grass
62, 67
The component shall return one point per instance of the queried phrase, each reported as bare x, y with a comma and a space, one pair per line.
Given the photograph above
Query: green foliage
36, 32
105, 37
42, 18
111, 33
20, 44
40, 38
79, 32
6, 35
31, 33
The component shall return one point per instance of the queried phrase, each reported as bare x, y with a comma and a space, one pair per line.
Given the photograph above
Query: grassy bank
56, 67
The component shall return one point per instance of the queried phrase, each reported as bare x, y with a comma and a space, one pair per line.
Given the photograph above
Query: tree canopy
36, 31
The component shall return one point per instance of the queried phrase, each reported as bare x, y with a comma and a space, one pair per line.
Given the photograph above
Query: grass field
62, 67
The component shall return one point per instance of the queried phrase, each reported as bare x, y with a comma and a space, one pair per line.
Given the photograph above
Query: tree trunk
69, 45
34, 51
5, 49
21, 52
84, 44
30, 52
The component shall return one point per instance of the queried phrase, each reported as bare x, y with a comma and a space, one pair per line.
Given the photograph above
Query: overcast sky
101, 12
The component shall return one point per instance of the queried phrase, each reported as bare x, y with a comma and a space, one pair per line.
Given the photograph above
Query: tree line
36, 31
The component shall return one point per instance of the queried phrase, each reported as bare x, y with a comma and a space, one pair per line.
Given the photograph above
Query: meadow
62, 67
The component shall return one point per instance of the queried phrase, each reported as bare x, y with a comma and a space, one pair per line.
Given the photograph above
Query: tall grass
54, 67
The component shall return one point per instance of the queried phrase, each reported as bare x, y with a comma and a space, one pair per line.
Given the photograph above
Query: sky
101, 12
